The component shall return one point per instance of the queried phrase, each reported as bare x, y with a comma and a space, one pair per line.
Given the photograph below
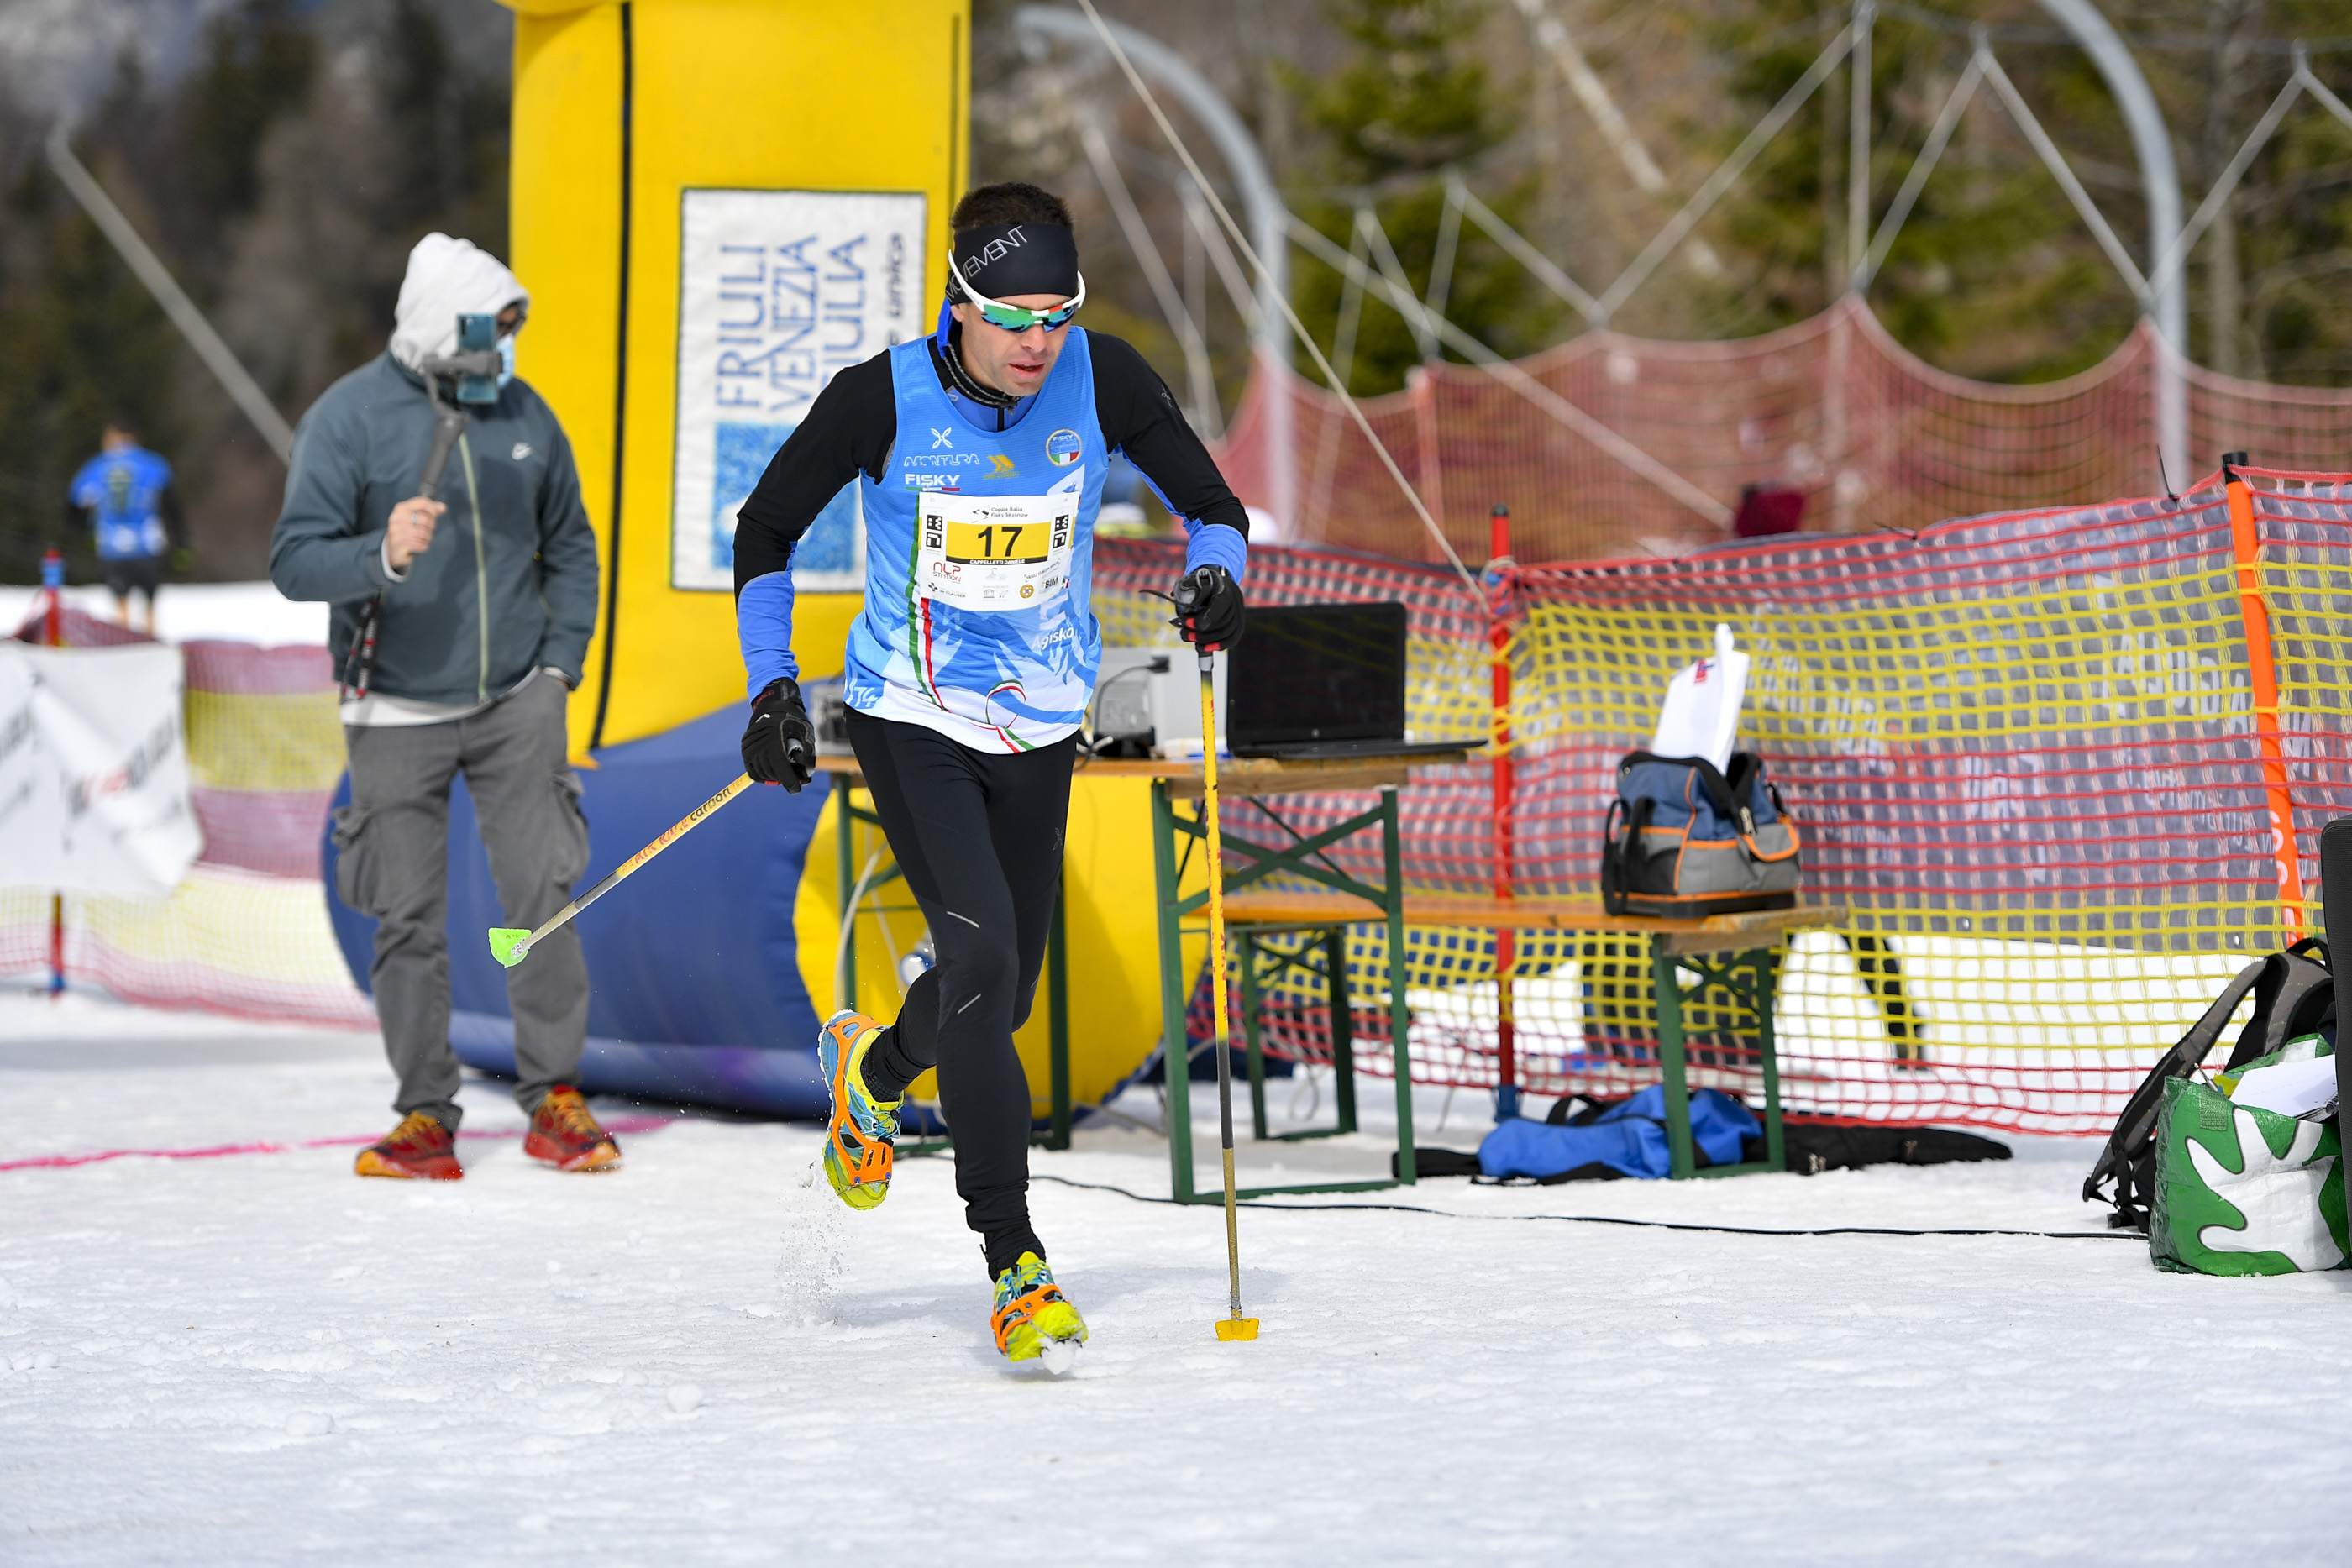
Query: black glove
780, 744
1209, 609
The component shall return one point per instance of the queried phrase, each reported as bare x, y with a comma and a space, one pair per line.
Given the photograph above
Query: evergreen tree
448, 120
85, 343
1412, 103
286, 212
2266, 283
257, 67
1993, 276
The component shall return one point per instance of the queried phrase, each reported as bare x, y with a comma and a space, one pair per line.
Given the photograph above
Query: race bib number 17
993, 552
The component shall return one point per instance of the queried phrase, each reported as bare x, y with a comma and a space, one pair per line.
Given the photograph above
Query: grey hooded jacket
508, 583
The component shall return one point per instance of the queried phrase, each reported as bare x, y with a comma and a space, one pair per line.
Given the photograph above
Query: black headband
1009, 260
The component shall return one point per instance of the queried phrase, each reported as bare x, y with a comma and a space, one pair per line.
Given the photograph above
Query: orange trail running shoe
857, 1142
565, 1134
1033, 1320
419, 1149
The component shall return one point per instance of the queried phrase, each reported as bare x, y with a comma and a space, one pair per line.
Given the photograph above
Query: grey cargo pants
393, 843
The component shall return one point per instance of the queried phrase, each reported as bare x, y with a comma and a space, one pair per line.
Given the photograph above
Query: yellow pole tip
1237, 1328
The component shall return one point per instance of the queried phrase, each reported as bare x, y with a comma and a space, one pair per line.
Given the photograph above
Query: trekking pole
449, 421
509, 944
1235, 1326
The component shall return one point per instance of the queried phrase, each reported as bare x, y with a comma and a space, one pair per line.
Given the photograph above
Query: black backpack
2293, 995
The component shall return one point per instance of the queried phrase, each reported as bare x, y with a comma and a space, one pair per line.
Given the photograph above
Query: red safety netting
2024, 751
1872, 435
246, 932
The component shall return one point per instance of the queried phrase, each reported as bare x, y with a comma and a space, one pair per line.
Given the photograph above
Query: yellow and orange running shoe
1033, 1321
564, 1134
857, 1142
419, 1149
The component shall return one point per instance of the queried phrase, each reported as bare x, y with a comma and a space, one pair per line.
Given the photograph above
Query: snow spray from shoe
815, 1253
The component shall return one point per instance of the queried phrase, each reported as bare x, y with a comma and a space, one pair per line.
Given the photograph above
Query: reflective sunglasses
1013, 318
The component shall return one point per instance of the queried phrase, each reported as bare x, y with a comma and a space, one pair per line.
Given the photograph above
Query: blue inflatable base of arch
694, 971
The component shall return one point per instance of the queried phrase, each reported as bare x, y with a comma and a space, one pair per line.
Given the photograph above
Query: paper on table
1701, 715
2289, 1088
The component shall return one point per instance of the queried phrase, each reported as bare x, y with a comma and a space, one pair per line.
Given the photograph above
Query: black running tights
978, 837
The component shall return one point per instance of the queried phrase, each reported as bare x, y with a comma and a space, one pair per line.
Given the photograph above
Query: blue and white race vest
978, 619
122, 490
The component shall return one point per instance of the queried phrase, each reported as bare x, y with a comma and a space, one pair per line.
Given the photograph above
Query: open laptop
1322, 680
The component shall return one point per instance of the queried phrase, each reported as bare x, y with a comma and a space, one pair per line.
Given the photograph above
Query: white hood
448, 278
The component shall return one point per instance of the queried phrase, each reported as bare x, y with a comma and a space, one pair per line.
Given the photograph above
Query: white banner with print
778, 291
94, 770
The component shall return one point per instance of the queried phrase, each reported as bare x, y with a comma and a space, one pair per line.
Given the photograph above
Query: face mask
507, 360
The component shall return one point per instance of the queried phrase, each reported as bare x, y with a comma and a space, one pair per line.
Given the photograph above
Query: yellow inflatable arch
716, 205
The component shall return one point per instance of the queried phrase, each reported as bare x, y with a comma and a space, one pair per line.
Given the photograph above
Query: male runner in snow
125, 495
980, 452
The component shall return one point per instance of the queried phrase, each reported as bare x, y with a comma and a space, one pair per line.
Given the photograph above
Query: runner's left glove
1209, 609
780, 744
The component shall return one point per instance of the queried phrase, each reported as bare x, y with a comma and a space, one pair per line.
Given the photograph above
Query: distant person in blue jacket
124, 497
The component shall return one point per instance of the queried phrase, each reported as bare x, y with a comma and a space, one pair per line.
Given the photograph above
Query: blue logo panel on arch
741, 452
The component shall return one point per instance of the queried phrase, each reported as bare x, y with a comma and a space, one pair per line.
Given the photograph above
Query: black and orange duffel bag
1684, 841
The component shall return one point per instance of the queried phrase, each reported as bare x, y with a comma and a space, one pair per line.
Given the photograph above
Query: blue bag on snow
1629, 1139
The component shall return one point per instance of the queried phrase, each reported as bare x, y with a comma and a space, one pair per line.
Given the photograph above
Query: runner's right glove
1209, 609
780, 744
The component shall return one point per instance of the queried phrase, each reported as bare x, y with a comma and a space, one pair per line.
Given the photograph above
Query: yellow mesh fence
268, 743
2023, 751
246, 932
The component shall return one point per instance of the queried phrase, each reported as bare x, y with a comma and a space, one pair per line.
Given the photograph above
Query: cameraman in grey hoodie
487, 600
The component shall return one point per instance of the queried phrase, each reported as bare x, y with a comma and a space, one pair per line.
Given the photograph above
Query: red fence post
53, 632
1498, 575
2245, 545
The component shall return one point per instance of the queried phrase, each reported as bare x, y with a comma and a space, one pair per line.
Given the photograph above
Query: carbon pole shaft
1217, 969
742, 783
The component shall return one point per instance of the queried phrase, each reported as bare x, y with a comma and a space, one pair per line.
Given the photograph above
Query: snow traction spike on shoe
860, 1129
1033, 1320
507, 944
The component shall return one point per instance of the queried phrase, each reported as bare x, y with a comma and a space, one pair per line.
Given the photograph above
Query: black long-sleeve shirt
854, 420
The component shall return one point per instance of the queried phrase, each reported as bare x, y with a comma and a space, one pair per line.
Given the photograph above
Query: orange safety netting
1873, 435
2025, 751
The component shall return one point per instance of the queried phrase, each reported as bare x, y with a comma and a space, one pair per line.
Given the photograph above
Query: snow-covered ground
257, 1358
235, 611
